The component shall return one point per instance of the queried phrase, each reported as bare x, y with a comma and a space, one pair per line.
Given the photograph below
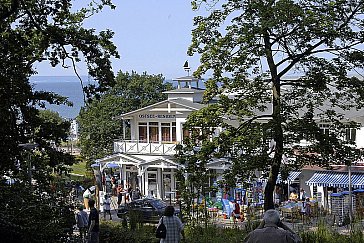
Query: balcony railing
138, 147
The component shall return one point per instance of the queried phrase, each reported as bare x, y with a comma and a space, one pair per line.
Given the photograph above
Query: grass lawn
79, 168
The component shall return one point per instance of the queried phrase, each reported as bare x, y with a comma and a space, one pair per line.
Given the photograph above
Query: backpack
161, 231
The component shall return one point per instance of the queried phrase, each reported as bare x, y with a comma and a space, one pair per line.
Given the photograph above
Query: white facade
147, 158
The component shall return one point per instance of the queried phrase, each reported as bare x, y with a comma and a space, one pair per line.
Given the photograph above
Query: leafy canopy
34, 31
279, 68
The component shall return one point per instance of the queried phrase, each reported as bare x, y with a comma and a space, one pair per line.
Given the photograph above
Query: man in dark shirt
272, 229
93, 223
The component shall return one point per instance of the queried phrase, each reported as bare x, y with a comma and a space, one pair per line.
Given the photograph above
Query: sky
151, 36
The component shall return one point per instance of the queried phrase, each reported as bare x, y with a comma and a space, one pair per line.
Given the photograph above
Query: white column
159, 183
143, 184
124, 176
173, 184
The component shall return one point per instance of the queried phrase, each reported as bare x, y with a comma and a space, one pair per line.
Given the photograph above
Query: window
325, 128
186, 134
174, 138
166, 132
142, 132
153, 132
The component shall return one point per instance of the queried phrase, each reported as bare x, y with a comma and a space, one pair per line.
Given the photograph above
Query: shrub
213, 234
111, 232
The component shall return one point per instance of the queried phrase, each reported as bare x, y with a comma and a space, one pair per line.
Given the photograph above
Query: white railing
137, 147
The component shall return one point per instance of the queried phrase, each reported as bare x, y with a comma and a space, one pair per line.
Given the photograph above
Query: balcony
138, 147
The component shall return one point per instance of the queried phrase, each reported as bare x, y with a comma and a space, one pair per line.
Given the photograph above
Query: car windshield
158, 204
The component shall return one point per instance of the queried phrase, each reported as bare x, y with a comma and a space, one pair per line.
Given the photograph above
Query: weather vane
186, 67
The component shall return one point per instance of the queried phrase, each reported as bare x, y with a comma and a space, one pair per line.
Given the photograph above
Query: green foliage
114, 232
40, 215
213, 234
99, 125
253, 48
52, 127
31, 32
326, 234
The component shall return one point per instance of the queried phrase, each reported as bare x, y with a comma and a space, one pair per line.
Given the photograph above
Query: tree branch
7, 13
250, 120
309, 51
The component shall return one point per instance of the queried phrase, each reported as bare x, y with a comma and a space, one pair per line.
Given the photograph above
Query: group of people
88, 224
271, 229
129, 194
305, 210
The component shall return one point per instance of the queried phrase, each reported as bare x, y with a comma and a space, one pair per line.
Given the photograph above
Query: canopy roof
291, 177
336, 179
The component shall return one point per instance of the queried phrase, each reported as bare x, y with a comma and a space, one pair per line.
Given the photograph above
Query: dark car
147, 210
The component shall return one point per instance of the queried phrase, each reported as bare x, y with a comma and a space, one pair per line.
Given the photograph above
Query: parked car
147, 209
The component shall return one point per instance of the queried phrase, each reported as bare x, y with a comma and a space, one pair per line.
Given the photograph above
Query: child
236, 211
82, 221
308, 210
106, 206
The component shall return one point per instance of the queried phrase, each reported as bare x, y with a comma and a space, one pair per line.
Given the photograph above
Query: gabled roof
182, 102
185, 91
159, 158
186, 78
187, 103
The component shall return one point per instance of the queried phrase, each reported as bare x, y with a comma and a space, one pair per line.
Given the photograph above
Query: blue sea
68, 86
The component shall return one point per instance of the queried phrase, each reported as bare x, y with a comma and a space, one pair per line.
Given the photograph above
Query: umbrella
95, 165
112, 165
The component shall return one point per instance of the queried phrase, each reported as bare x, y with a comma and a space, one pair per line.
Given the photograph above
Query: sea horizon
67, 86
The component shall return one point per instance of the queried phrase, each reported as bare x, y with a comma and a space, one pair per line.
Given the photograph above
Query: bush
213, 234
325, 234
111, 232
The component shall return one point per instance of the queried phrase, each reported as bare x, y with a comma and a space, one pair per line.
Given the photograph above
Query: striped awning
336, 179
291, 177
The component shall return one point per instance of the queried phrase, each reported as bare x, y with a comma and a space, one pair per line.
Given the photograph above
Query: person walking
93, 223
136, 194
271, 228
120, 194
87, 195
82, 222
128, 195
236, 211
173, 225
106, 206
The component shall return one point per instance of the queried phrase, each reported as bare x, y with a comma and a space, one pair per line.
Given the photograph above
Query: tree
99, 126
41, 31
253, 48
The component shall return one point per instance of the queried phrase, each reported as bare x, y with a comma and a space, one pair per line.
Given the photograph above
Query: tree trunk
269, 188
278, 151
276, 124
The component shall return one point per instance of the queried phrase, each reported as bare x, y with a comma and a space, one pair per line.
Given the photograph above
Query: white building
146, 158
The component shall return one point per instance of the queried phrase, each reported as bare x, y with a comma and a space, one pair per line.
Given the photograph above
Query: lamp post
350, 195
29, 146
